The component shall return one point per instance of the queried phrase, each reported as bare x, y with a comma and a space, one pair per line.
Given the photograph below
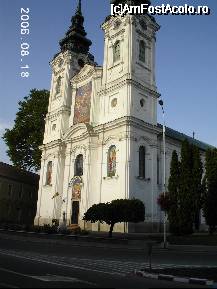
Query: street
44, 263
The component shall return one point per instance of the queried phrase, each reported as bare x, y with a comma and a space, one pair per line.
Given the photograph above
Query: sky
186, 60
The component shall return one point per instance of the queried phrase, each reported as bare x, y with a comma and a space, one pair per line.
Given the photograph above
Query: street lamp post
164, 169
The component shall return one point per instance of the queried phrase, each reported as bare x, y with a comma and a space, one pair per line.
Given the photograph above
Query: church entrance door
75, 212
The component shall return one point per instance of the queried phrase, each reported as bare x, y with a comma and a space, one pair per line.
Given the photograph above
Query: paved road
98, 251
32, 262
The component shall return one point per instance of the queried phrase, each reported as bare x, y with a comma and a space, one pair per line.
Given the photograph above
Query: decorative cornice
125, 80
66, 56
117, 34
143, 87
127, 121
54, 114
82, 148
83, 131
85, 73
115, 85
58, 71
147, 140
57, 147
144, 35
107, 140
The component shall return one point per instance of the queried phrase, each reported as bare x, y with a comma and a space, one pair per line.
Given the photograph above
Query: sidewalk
131, 241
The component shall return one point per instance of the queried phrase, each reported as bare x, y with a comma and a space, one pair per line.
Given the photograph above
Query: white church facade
102, 140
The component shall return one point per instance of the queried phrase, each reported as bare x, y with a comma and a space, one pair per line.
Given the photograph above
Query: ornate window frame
58, 86
117, 51
49, 173
112, 161
142, 51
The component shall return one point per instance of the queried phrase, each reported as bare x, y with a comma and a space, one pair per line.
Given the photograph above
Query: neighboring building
102, 140
18, 195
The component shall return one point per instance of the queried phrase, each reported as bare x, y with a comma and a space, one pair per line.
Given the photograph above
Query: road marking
55, 278
4, 285
109, 267
47, 278
60, 264
13, 272
99, 264
159, 266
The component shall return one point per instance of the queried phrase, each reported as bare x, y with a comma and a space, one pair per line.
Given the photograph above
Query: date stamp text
24, 46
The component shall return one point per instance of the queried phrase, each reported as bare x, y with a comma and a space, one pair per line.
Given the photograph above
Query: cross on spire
78, 11
75, 38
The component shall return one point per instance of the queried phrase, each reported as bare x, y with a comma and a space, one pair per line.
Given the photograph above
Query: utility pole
164, 169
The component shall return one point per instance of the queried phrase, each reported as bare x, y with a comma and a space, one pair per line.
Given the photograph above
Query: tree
186, 200
197, 188
173, 188
185, 190
117, 211
210, 192
24, 139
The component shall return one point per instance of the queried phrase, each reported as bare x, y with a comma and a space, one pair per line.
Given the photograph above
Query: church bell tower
73, 55
129, 66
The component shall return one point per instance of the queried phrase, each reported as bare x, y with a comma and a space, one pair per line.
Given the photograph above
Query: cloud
3, 155
3, 147
3, 126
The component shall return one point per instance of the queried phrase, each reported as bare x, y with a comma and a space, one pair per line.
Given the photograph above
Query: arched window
117, 51
142, 51
58, 85
49, 174
142, 162
112, 161
79, 165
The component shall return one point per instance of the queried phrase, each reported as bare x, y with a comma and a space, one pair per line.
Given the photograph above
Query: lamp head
161, 102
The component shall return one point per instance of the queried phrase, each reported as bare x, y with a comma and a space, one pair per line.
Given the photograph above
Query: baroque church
102, 139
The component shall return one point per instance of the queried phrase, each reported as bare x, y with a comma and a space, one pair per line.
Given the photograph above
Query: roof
181, 137
13, 173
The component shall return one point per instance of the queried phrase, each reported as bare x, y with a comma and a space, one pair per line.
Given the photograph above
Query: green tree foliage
185, 190
186, 199
210, 192
24, 139
173, 188
117, 211
197, 187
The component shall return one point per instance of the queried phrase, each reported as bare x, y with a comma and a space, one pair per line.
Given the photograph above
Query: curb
69, 236
133, 244
190, 248
164, 277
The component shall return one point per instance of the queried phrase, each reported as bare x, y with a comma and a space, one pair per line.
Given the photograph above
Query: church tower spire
75, 39
78, 11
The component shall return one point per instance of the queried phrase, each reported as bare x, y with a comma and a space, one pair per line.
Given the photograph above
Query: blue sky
186, 62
